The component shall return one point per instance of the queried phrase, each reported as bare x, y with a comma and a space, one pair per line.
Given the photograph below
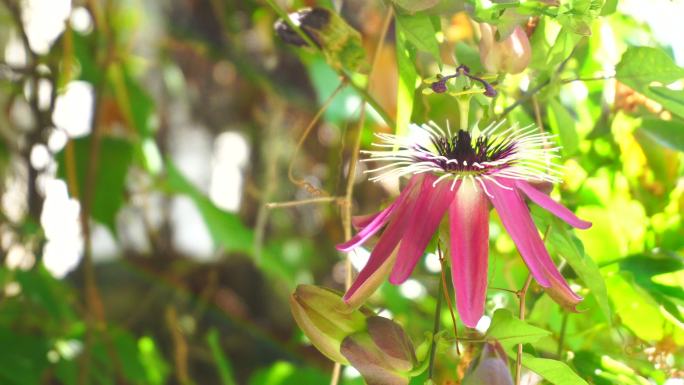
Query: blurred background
144, 165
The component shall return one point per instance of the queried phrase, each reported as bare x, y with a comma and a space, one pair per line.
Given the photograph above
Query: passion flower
461, 173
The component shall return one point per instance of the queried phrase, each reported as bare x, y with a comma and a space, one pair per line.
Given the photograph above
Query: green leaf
407, 83
672, 100
284, 373
469, 56
643, 269
562, 48
129, 358
667, 133
556, 372
420, 32
224, 367
43, 290
637, 310
136, 105
416, 5
563, 124
114, 158
152, 361
325, 80
609, 7
23, 358
563, 241
639, 66
225, 228
510, 331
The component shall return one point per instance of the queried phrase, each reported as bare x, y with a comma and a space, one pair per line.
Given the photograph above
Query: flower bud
491, 368
511, 55
383, 354
325, 319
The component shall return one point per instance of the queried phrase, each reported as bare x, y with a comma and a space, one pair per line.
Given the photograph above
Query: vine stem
346, 209
302, 139
521, 314
445, 290
435, 330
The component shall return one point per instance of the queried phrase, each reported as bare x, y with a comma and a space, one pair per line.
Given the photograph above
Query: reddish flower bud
383, 354
511, 55
491, 368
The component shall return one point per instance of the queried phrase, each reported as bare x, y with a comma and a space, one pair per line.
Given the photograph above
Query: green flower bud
491, 368
383, 354
326, 319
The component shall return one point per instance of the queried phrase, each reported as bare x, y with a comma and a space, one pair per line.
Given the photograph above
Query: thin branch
521, 314
346, 214
527, 96
96, 320
290, 170
445, 290
270, 181
180, 347
591, 79
435, 330
280, 205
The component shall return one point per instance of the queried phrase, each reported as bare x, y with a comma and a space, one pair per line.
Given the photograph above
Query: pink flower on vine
462, 173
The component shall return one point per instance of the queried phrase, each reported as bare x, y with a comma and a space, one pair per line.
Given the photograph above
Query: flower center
461, 154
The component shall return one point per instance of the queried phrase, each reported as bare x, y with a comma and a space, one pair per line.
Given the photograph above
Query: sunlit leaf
637, 310
407, 83
555, 372
509, 330
420, 32
667, 133
641, 66
284, 373
563, 124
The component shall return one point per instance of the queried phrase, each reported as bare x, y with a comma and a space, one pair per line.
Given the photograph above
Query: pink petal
361, 221
516, 219
563, 295
369, 285
469, 233
432, 204
549, 204
389, 240
374, 222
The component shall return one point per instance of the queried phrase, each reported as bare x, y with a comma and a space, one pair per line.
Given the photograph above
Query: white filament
531, 160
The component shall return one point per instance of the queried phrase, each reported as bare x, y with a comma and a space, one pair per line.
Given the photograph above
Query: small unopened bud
511, 55
325, 319
491, 368
489, 90
439, 86
383, 354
